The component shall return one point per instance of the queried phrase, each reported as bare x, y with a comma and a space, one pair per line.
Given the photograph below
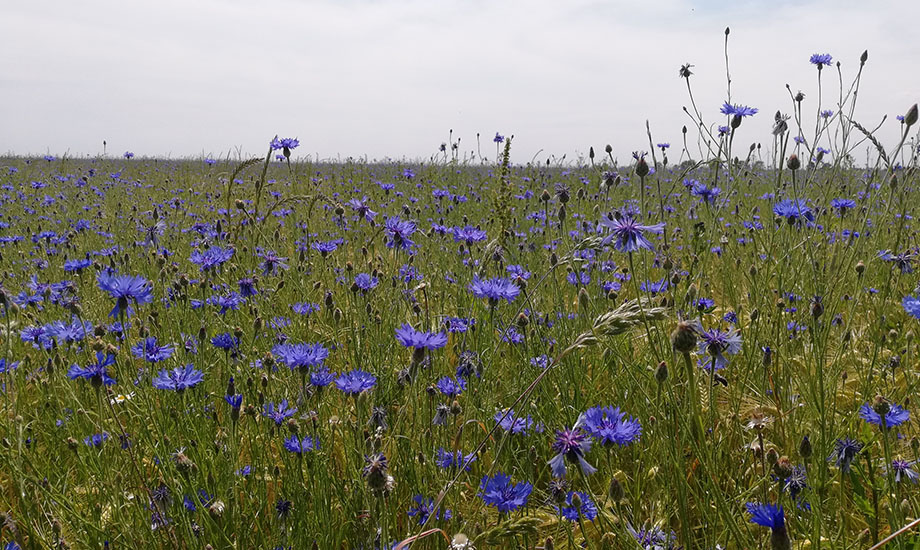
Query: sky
382, 79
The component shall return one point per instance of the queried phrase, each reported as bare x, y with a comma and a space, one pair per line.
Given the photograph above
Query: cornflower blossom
211, 258
571, 446
278, 412
125, 289
769, 515
627, 234
845, 450
610, 426
301, 356
494, 290
178, 379
399, 233
499, 491
586, 510
149, 350
355, 382
821, 59
895, 415
301, 446
411, 338
424, 508
737, 110
97, 373
716, 343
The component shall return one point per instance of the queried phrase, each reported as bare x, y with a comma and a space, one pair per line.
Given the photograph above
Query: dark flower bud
860, 267
615, 491
548, 544
683, 338
608, 149
783, 467
736, 122
772, 456
642, 168
805, 447
911, 117
881, 405
591, 153
793, 162
545, 196
455, 408
661, 373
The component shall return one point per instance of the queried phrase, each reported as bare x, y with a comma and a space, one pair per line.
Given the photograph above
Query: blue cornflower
235, 401
821, 59
586, 510
446, 459
96, 440
827, 114
654, 287
178, 379
610, 426
365, 282
233, 300
737, 110
97, 373
361, 209
226, 342
518, 273
516, 424
912, 306
843, 205
271, 262
7, 367
451, 387
301, 356
494, 290
399, 232
284, 143
247, 287
301, 446
500, 492
654, 538
498, 138
278, 412
627, 233
902, 261
794, 211
424, 507
468, 234
845, 450
321, 377
715, 343
411, 338
304, 308
149, 350
903, 468
895, 415
77, 265
355, 382
571, 445
125, 289
211, 258
766, 515
706, 194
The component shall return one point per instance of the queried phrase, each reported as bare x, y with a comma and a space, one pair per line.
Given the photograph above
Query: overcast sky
391, 78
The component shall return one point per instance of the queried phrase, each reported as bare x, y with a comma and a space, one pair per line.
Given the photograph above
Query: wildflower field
712, 345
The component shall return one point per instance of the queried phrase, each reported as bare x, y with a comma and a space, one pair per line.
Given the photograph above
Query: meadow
711, 345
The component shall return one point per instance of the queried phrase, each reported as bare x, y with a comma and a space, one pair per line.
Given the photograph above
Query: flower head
495, 289
125, 289
845, 450
97, 373
895, 415
178, 379
300, 356
411, 338
610, 426
301, 446
355, 382
794, 211
716, 343
627, 234
912, 306
571, 445
578, 505
737, 110
149, 350
278, 412
821, 59
424, 507
500, 492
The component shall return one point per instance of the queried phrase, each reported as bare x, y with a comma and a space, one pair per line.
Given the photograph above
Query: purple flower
178, 379
587, 510
715, 343
627, 233
149, 350
821, 59
301, 446
284, 143
766, 515
456, 459
399, 232
278, 412
360, 208
411, 338
424, 507
301, 356
905, 469
451, 387
271, 262
468, 234
895, 416
494, 290
794, 211
516, 424
211, 258
97, 373
845, 450
610, 426
737, 110
125, 289
365, 282
912, 306
355, 382
571, 445
500, 492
